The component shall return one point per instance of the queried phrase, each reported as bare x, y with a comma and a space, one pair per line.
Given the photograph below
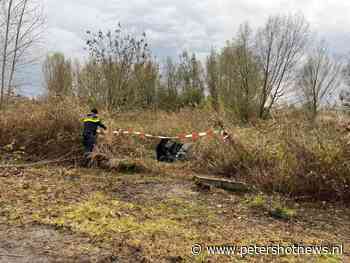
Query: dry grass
147, 218
289, 156
286, 154
43, 129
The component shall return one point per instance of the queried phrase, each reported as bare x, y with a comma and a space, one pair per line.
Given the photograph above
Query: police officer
91, 124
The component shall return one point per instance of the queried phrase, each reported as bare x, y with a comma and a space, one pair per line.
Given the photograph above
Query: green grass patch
257, 202
281, 212
101, 217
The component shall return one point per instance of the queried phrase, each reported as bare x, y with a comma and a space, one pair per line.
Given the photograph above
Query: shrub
46, 128
290, 157
286, 154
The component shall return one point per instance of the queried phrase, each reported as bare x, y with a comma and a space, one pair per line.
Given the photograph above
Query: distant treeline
252, 73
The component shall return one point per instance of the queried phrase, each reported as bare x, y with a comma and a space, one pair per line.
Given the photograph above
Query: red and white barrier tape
194, 136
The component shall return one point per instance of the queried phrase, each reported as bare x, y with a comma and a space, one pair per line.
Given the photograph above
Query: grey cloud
196, 25
177, 24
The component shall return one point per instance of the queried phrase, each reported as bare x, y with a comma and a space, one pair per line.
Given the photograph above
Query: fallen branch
222, 183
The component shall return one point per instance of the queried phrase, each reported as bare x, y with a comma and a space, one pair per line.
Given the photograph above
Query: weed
258, 201
280, 212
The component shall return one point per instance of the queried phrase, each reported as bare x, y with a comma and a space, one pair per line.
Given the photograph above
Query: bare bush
318, 79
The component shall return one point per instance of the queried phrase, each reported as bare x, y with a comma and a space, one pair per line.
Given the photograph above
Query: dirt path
57, 214
32, 244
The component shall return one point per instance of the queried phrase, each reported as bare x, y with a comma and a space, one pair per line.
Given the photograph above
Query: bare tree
22, 26
240, 80
172, 81
117, 53
146, 81
5, 50
90, 83
344, 95
168, 94
190, 75
16, 46
318, 78
280, 45
27, 33
58, 75
212, 71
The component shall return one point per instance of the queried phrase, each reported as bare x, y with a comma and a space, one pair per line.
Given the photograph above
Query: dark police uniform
91, 124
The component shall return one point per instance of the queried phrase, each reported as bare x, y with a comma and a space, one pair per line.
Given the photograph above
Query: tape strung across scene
194, 135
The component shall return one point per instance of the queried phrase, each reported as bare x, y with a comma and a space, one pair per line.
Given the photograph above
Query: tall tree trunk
3, 71
14, 61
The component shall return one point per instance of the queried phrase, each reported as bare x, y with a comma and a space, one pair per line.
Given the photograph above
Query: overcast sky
195, 25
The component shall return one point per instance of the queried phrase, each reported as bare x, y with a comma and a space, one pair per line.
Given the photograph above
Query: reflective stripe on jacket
91, 124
